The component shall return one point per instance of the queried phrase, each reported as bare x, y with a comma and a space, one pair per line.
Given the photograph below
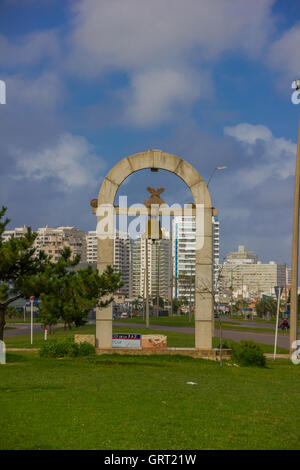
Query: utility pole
157, 272
172, 281
231, 294
242, 294
295, 254
190, 302
172, 278
144, 291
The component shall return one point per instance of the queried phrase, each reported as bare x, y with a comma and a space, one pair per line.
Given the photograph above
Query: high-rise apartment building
122, 256
53, 240
184, 254
92, 247
122, 260
242, 275
159, 268
242, 256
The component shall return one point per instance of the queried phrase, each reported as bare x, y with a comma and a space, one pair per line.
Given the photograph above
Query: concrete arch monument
156, 159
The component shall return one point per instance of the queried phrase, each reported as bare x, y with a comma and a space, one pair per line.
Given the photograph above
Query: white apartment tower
184, 254
91, 247
159, 268
122, 256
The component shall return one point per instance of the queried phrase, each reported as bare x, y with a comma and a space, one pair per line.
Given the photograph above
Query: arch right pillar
204, 319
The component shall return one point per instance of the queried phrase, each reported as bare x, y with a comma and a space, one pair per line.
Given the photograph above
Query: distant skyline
90, 82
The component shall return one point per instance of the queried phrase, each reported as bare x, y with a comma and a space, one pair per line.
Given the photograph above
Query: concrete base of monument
212, 354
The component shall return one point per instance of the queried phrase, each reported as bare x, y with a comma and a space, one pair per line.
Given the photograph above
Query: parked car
124, 315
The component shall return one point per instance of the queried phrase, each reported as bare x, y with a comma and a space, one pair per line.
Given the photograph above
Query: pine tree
67, 293
19, 265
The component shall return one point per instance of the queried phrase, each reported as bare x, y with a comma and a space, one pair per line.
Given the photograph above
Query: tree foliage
266, 307
66, 293
19, 264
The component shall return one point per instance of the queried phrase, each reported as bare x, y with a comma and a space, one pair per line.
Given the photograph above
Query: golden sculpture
155, 197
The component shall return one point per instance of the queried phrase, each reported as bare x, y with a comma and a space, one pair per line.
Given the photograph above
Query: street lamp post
231, 289
217, 168
295, 248
147, 284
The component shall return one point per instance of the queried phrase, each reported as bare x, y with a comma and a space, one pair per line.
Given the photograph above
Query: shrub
65, 348
248, 353
85, 349
225, 344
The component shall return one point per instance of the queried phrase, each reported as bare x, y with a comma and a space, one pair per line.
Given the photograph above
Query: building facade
184, 255
53, 240
159, 268
122, 256
243, 276
122, 260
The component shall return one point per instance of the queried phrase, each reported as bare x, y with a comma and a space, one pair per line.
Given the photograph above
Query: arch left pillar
104, 315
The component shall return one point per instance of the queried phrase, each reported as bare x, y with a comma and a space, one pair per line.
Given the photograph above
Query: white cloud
161, 44
44, 91
248, 133
284, 53
157, 95
135, 34
269, 156
29, 49
70, 160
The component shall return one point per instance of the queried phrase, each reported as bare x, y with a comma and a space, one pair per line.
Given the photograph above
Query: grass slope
125, 402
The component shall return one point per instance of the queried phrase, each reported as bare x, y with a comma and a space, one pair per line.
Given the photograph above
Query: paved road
264, 338
249, 324
24, 329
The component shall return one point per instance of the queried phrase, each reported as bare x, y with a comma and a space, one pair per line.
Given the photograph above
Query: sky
89, 82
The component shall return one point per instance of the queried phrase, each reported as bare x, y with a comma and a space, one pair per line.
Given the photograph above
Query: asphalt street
264, 338
259, 337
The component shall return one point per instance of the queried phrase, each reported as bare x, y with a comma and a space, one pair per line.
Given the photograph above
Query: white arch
203, 278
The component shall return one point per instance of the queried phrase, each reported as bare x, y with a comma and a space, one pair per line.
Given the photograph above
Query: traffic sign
31, 299
278, 291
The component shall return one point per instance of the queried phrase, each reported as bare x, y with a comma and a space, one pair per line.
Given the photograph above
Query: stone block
201, 194
85, 339
154, 342
140, 161
120, 172
107, 192
165, 161
188, 173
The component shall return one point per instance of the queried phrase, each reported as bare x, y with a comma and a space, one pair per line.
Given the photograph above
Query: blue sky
92, 81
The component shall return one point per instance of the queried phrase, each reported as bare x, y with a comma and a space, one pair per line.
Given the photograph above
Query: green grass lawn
21, 320
134, 402
182, 321
175, 339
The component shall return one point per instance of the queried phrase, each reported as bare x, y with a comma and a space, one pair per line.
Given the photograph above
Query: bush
65, 348
248, 353
85, 349
225, 344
